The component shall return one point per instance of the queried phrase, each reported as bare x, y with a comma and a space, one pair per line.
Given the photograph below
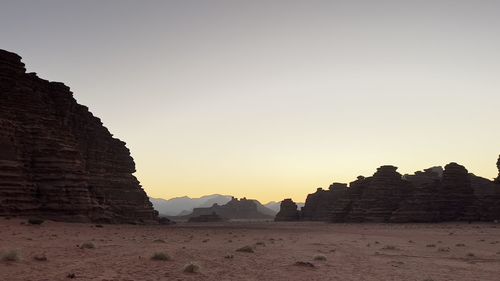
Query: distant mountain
185, 205
275, 206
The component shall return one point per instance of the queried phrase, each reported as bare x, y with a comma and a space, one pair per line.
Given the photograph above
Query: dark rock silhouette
498, 166
213, 217
57, 160
234, 209
432, 195
288, 211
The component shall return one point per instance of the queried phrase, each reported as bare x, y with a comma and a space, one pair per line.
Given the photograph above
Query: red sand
353, 251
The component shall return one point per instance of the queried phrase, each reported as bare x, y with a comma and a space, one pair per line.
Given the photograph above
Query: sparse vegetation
389, 247
10, 256
320, 257
443, 249
430, 245
304, 264
460, 245
87, 245
191, 268
471, 255
41, 257
246, 249
35, 221
159, 241
160, 256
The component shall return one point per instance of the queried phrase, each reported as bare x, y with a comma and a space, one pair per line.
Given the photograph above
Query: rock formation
498, 167
234, 209
432, 195
56, 159
288, 211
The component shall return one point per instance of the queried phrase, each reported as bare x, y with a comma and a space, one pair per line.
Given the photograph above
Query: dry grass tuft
87, 245
191, 268
320, 257
11, 255
246, 249
160, 256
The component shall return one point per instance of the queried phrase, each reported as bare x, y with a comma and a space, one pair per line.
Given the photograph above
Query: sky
272, 99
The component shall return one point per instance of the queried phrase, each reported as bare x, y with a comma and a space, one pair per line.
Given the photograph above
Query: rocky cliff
497, 180
432, 195
56, 159
288, 211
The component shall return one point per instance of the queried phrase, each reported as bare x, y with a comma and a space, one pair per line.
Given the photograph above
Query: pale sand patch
353, 251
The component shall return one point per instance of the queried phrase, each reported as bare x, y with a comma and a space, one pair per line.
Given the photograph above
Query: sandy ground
352, 251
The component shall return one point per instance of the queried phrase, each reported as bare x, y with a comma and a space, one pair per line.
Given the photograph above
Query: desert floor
353, 251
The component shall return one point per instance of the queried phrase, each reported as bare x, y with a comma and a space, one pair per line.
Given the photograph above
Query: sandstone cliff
56, 159
433, 195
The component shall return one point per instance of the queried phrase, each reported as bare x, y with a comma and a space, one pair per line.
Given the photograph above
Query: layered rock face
432, 195
381, 196
288, 211
57, 160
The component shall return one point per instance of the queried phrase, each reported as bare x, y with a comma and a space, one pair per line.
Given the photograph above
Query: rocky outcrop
288, 211
234, 209
432, 195
56, 159
380, 197
497, 180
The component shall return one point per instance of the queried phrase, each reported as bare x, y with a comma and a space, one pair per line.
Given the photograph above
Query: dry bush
87, 245
160, 256
246, 249
191, 268
389, 247
319, 257
35, 221
11, 255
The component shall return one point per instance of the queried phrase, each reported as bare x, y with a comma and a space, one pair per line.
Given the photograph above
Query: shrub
430, 245
87, 245
191, 268
389, 247
443, 249
41, 257
160, 256
35, 221
159, 241
246, 249
319, 257
10, 256
304, 264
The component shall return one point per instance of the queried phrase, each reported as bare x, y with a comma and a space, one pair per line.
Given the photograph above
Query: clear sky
271, 99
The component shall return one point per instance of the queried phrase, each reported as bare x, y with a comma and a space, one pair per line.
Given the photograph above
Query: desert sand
451, 251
